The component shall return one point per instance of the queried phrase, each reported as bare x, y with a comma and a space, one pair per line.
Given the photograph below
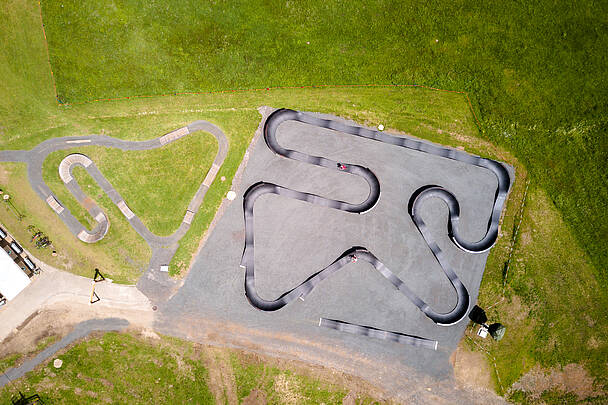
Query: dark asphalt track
378, 333
300, 291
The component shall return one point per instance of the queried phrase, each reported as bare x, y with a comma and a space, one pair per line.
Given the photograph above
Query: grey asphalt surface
80, 330
155, 284
294, 239
417, 199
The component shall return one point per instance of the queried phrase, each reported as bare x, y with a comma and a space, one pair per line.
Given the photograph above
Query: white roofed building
12, 279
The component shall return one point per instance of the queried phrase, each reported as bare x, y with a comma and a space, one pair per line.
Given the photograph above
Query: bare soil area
58, 321
471, 370
572, 378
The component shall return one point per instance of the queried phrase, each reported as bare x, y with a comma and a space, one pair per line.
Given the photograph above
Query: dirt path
221, 376
59, 319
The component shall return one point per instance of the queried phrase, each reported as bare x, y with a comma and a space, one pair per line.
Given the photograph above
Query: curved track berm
416, 201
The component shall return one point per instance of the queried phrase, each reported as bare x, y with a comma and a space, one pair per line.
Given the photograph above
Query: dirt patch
94, 349
255, 397
170, 348
573, 378
471, 370
4, 176
525, 238
350, 399
515, 310
32, 331
59, 321
288, 390
88, 203
357, 386
65, 259
594, 342
257, 347
149, 334
221, 376
454, 135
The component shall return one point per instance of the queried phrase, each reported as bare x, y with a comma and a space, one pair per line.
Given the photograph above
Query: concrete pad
126, 211
67, 163
188, 217
64, 172
174, 135
54, 204
86, 237
211, 175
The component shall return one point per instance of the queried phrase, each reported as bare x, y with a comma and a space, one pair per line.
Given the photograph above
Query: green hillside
536, 73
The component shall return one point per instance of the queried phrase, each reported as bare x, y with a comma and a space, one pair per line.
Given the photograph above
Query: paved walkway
154, 283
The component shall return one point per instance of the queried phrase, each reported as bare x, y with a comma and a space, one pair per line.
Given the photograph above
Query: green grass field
126, 368
552, 305
537, 71
536, 74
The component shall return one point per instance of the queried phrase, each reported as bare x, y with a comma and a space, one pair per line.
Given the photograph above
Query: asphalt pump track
416, 201
153, 283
